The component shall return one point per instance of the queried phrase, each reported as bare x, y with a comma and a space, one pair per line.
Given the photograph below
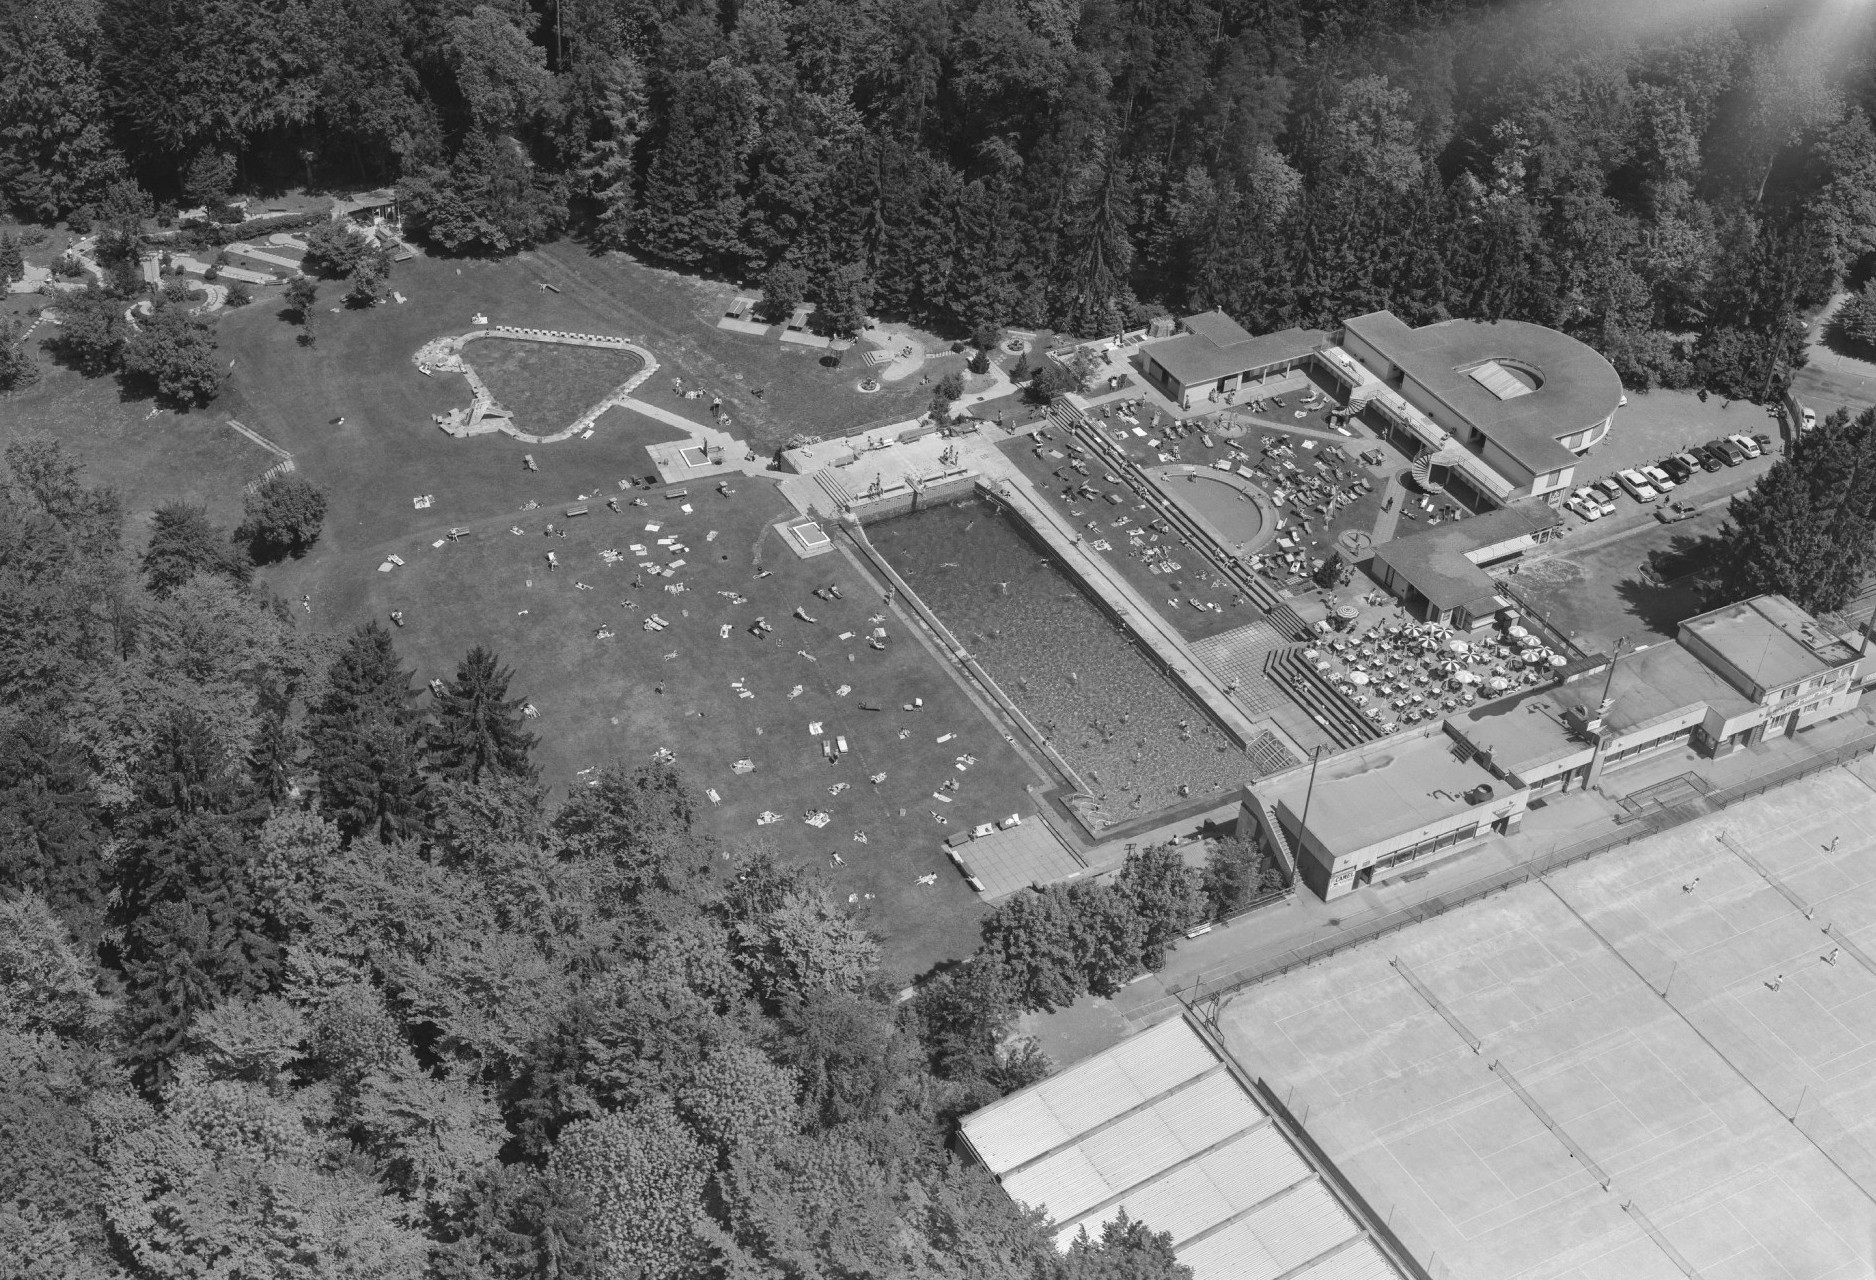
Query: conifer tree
366, 737
194, 925
478, 730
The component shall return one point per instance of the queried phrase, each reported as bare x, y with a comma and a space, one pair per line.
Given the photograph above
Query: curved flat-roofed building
1525, 399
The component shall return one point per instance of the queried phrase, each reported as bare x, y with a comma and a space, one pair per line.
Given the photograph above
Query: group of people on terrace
1417, 671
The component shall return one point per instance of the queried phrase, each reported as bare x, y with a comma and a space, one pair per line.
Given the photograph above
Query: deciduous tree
173, 353
282, 517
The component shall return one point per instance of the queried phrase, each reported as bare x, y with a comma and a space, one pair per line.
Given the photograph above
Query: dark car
1764, 442
1707, 459
1677, 470
1728, 452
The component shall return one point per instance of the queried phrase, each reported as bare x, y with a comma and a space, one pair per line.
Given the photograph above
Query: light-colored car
1747, 445
1636, 485
1658, 478
1587, 508
1592, 496
1810, 420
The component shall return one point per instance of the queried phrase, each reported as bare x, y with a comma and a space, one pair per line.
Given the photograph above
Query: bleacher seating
1334, 711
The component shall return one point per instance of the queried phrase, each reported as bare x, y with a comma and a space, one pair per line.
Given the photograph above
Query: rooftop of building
1435, 561
1649, 685
1485, 371
1215, 346
1384, 789
1521, 734
1161, 1128
1771, 641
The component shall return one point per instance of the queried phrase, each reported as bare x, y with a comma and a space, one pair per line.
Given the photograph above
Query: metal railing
1534, 868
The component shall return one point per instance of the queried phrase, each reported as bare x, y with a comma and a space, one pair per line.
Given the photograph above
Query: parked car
1694, 460
1678, 468
1674, 512
1728, 452
1747, 445
1587, 508
1810, 420
1709, 460
1764, 442
1658, 478
1590, 495
1610, 491
1636, 484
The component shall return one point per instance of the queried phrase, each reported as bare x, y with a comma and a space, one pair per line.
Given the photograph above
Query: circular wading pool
1228, 506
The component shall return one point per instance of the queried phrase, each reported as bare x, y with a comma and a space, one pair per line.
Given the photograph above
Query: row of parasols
1413, 664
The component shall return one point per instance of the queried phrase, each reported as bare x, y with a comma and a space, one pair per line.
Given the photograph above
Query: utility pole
1302, 825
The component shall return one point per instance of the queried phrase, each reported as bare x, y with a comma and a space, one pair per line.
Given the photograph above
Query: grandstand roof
1477, 369
1162, 1127
1215, 346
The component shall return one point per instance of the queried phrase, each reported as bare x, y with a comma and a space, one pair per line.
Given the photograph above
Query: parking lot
1656, 424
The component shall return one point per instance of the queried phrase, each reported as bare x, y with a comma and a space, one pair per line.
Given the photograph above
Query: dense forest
302, 975
1673, 183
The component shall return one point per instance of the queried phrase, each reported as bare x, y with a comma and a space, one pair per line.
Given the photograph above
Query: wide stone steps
1331, 709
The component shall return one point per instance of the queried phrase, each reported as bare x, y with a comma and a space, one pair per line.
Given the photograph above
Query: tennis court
1600, 1128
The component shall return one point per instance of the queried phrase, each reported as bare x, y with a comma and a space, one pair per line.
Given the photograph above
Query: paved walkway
1095, 1024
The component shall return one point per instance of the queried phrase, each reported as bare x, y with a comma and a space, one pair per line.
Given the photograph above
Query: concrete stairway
1332, 710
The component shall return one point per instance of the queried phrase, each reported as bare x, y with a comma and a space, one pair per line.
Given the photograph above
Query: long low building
1214, 354
1167, 1129
1732, 677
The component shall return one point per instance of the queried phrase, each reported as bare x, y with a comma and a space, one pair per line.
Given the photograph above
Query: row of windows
1653, 744
1431, 844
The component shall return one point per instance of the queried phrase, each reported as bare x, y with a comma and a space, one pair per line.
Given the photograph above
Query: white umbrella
1465, 677
1459, 646
1557, 660
1517, 633
1358, 678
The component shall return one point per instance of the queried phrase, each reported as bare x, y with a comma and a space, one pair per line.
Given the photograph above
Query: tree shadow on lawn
1669, 587
1838, 341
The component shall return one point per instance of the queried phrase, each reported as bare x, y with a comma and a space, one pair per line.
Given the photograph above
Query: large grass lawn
625, 697
356, 413
545, 385
149, 458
